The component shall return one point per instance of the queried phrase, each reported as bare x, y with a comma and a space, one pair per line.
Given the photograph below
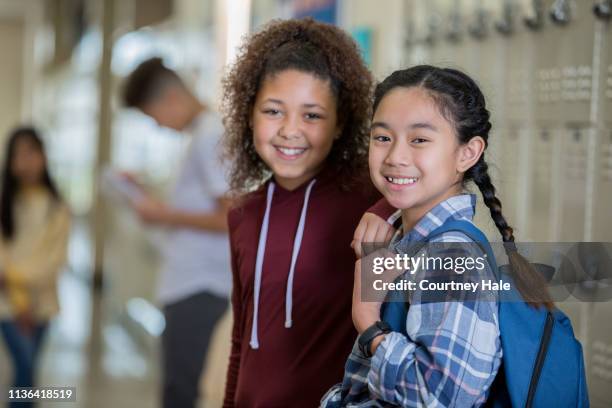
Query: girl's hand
371, 228
366, 313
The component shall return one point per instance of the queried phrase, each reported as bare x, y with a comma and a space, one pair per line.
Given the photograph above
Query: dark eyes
382, 138
276, 112
271, 111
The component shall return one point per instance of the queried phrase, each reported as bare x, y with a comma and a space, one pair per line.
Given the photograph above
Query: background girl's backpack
542, 363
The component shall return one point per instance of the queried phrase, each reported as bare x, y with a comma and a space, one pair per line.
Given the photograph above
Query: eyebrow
418, 125
305, 105
313, 105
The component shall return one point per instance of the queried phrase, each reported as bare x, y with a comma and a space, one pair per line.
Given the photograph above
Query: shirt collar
461, 206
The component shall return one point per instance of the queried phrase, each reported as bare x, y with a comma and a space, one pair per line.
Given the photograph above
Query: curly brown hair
320, 49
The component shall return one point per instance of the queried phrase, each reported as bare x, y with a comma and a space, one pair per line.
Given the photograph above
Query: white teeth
408, 180
290, 152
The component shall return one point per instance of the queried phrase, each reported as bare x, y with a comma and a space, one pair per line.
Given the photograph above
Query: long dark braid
479, 174
529, 282
462, 103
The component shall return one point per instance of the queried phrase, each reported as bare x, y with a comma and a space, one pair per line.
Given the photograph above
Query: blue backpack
542, 363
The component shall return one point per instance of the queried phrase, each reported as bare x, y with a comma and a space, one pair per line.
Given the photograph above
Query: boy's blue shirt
451, 351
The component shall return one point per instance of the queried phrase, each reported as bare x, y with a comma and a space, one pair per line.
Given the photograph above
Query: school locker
490, 61
519, 82
573, 183
575, 62
540, 204
442, 52
508, 181
602, 212
600, 329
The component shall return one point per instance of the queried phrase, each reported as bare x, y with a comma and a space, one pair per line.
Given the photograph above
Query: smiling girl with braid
428, 136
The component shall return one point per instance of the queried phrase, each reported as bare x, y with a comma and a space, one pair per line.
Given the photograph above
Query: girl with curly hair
296, 107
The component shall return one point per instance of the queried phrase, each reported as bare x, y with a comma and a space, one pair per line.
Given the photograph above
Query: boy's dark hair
308, 46
146, 82
10, 183
461, 102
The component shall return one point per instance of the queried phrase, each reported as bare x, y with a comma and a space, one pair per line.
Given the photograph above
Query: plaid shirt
452, 350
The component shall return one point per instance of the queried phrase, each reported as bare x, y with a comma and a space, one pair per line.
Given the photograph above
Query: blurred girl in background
35, 225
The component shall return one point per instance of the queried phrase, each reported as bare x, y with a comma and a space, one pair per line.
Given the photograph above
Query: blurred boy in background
195, 278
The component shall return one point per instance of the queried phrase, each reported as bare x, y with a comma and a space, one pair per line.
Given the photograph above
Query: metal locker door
545, 99
489, 54
467, 51
509, 171
414, 32
607, 102
573, 191
444, 23
599, 349
575, 45
422, 33
547, 72
540, 203
564, 63
428, 31
520, 50
602, 211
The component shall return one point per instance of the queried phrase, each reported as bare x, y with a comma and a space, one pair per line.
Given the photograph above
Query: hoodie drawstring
297, 243
261, 249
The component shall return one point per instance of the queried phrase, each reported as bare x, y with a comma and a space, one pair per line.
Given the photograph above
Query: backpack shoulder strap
464, 226
472, 232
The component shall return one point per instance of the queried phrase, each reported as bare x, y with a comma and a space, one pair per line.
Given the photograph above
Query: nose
399, 154
290, 128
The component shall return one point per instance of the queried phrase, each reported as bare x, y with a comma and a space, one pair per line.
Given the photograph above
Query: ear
470, 153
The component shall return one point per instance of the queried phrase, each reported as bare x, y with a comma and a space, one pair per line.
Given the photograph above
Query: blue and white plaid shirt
452, 350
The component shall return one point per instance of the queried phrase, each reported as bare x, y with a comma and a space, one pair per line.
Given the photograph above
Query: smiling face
415, 158
294, 125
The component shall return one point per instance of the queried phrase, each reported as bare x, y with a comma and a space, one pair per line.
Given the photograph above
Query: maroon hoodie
272, 365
